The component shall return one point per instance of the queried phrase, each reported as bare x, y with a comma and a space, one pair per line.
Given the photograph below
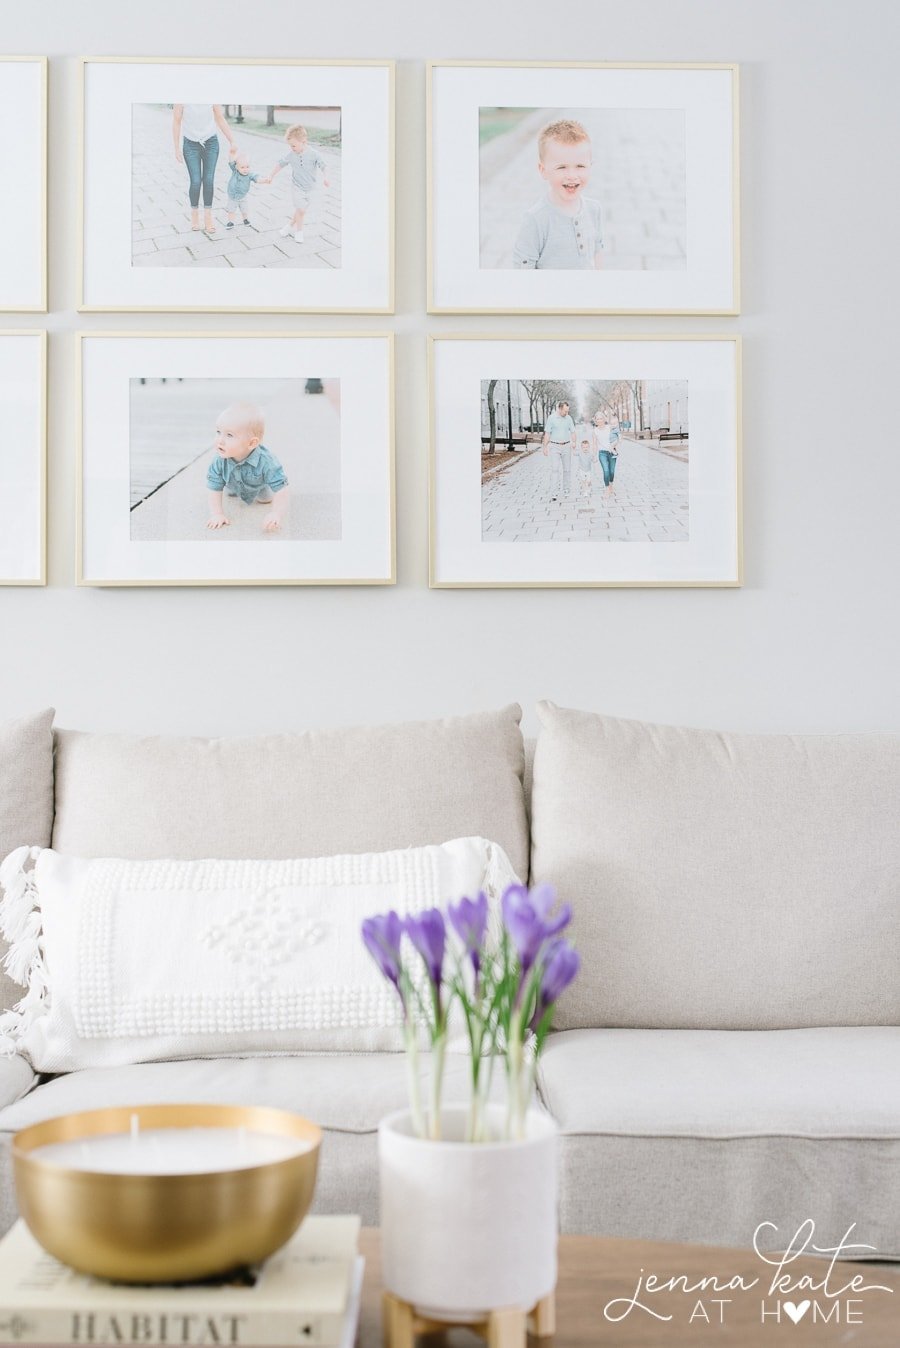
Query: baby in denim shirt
239, 186
244, 467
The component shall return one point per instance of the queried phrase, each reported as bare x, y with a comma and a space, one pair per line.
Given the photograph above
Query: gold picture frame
386, 549
388, 302
439, 257
40, 303
39, 479
731, 556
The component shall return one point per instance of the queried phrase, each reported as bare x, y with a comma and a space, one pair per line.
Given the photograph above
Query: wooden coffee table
595, 1271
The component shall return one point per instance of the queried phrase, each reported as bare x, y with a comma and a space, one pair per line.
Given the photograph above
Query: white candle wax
171, 1151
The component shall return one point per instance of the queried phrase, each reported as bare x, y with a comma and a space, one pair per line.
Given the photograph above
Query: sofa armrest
16, 1080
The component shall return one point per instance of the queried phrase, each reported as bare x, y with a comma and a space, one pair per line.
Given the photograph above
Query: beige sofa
730, 1054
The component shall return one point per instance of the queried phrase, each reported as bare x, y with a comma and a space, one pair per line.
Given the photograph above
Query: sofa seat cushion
346, 1094
16, 1079
725, 1083
701, 1135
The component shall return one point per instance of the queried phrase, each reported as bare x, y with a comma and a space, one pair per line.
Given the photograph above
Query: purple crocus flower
469, 920
382, 936
428, 934
561, 965
526, 916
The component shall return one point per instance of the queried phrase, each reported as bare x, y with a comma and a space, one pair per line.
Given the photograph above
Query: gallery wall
812, 640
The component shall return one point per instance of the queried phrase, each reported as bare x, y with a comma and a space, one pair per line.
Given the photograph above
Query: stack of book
307, 1293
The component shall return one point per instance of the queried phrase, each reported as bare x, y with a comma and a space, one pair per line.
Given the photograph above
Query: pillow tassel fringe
20, 924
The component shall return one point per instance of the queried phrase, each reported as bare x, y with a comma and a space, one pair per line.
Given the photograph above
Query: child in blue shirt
239, 186
243, 467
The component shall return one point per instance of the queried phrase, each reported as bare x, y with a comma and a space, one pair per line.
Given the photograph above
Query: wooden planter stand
502, 1329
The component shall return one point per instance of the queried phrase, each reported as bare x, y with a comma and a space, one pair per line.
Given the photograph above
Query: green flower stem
530, 1080
473, 1125
412, 1080
514, 1067
437, 1079
484, 1092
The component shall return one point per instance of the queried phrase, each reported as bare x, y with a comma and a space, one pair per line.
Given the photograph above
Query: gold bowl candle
166, 1193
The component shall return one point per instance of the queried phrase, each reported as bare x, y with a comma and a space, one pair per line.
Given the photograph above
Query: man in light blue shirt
558, 443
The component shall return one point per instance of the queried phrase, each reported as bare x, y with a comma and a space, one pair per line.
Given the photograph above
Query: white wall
810, 642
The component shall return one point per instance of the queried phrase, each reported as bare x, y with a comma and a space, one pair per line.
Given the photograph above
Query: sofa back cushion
721, 881
26, 799
293, 795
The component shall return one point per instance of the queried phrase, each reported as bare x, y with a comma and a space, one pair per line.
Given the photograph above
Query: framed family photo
236, 459
23, 257
583, 188
585, 461
191, 202
23, 395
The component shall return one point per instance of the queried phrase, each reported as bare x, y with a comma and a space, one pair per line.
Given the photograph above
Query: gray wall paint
811, 642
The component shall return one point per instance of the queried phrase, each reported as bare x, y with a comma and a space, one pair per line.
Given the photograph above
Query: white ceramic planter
467, 1228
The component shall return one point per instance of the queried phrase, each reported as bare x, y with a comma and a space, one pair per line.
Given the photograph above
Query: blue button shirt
560, 429
551, 238
304, 164
248, 478
239, 183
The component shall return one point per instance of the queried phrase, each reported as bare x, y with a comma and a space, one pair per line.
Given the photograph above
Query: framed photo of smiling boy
583, 188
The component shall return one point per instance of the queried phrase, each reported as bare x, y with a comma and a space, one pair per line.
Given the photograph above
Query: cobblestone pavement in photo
162, 234
638, 179
650, 504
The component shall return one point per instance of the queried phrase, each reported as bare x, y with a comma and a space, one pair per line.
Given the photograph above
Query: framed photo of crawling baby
236, 459
585, 461
583, 188
248, 205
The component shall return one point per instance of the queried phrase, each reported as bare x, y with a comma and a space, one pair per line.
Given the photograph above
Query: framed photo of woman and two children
577, 188
279, 200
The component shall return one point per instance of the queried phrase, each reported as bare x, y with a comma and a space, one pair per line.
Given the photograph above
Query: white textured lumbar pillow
136, 961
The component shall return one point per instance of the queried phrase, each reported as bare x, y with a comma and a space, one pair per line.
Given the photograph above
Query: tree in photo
492, 413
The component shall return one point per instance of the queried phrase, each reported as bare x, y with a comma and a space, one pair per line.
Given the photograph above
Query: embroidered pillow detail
135, 961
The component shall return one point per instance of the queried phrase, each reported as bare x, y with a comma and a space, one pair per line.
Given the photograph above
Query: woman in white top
195, 129
604, 443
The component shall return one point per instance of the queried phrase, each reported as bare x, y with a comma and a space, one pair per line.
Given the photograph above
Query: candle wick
135, 1127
